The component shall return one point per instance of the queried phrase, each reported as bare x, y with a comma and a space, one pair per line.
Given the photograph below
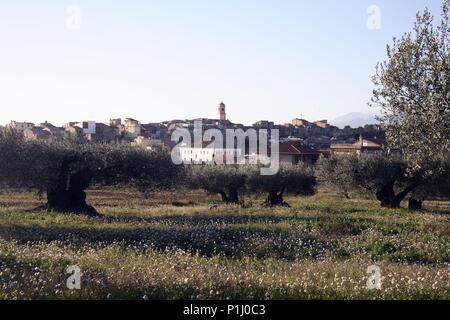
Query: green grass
319, 248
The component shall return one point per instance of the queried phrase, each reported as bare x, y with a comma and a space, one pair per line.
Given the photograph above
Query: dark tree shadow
204, 235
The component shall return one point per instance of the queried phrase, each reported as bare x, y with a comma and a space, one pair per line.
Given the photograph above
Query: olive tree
412, 91
225, 180
297, 179
64, 170
435, 186
383, 176
336, 173
386, 178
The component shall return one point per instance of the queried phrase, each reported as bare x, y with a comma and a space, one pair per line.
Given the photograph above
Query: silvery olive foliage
64, 170
336, 173
412, 90
294, 179
231, 181
226, 180
384, 177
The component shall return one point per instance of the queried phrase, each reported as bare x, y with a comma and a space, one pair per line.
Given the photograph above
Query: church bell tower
222, 113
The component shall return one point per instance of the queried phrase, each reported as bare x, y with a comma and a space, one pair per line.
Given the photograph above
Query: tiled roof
296, 148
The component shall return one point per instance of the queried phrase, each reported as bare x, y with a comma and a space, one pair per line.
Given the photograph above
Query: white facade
87, 126
208, 155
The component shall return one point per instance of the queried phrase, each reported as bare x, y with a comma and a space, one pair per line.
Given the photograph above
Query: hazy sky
177, 59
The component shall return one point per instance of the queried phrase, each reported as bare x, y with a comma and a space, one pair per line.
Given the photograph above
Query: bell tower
222, 113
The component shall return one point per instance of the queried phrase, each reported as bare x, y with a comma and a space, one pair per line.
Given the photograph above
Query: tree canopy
297, 179
336, 173
412, 91
65, 169
226, 180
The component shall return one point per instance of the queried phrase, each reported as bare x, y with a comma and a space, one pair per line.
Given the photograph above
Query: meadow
182, 246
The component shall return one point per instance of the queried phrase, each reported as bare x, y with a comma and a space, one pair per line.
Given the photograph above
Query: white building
209, 155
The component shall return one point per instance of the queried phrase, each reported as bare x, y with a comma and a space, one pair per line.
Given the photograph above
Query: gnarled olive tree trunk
275, 198
389, 199
414, 204
68, 194
230, 196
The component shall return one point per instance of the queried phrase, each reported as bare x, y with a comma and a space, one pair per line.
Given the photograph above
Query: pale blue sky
173, 59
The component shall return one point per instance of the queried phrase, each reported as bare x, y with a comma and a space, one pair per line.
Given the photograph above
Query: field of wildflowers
180, 247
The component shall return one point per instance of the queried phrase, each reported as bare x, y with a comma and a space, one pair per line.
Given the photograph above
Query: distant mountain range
354, 120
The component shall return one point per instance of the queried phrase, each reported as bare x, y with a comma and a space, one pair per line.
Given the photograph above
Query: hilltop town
300, 140
229, 210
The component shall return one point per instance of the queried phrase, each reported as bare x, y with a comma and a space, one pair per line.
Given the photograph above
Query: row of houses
90, 131
290, 152
300, 140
